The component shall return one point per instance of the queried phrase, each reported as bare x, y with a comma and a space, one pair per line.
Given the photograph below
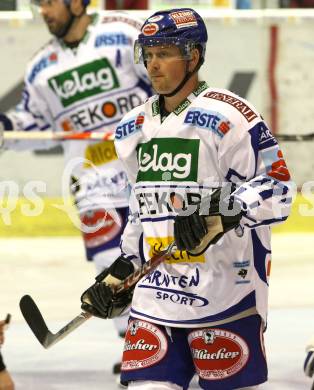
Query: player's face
56, 15
165, 66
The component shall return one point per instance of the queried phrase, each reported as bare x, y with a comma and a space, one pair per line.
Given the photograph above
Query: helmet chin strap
67, 27
187, 76
70, 22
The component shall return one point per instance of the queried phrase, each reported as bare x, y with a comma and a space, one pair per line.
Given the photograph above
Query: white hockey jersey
213, 137
88, 88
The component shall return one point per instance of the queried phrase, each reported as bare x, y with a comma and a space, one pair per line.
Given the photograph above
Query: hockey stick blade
36, 322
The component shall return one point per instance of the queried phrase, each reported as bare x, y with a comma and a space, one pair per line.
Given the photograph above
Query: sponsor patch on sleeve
43, 63
238, 104
265, 137
129, 127
123, 19
210, 120
275, 164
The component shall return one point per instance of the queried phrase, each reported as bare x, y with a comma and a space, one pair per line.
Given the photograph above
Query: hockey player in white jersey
83, 80
207, 174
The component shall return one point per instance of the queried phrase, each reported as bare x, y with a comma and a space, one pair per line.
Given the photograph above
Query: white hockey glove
100, 300
196, 232
309, 360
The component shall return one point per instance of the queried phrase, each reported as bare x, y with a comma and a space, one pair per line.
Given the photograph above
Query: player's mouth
49, 22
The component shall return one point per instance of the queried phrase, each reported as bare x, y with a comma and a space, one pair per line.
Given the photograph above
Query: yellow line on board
50, 222
301, 218
55, 222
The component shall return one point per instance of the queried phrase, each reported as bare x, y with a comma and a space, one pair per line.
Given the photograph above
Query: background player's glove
5, 124
100, 300
309, 360
194, 233
309, 364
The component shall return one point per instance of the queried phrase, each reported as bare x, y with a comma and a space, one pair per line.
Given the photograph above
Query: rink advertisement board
264, 56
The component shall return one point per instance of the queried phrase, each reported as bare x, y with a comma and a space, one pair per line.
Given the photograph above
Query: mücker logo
87, 80
173, 159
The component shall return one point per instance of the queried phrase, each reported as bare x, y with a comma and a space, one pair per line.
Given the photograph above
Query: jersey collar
156, 105
94, 20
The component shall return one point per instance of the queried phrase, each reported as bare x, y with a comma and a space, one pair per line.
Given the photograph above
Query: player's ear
77, 7
195, 57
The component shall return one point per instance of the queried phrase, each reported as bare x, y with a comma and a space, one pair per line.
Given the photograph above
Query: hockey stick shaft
49, 135
38, 325
146, 268
67, 329
295, 137
92, 135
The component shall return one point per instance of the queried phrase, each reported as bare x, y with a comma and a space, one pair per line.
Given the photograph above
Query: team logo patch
150, 29
156, 18
165, 159
105, 227
184, 19
145, 345
217, 353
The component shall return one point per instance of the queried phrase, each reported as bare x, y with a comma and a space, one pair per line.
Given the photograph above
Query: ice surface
53, 271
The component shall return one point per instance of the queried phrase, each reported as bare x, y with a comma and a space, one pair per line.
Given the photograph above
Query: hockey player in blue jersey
208, 174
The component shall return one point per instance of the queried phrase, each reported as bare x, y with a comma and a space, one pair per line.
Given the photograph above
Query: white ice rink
54, 273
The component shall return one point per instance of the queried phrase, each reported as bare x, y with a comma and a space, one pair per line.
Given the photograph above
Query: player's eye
148, 56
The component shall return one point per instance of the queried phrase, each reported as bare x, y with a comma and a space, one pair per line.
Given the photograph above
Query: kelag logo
159, 160
87, 80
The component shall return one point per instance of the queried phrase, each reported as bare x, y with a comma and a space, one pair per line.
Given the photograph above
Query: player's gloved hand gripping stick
214, 216
38, 325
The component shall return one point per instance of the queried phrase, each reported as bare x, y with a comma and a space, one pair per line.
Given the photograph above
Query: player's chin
160, 89
54, 30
